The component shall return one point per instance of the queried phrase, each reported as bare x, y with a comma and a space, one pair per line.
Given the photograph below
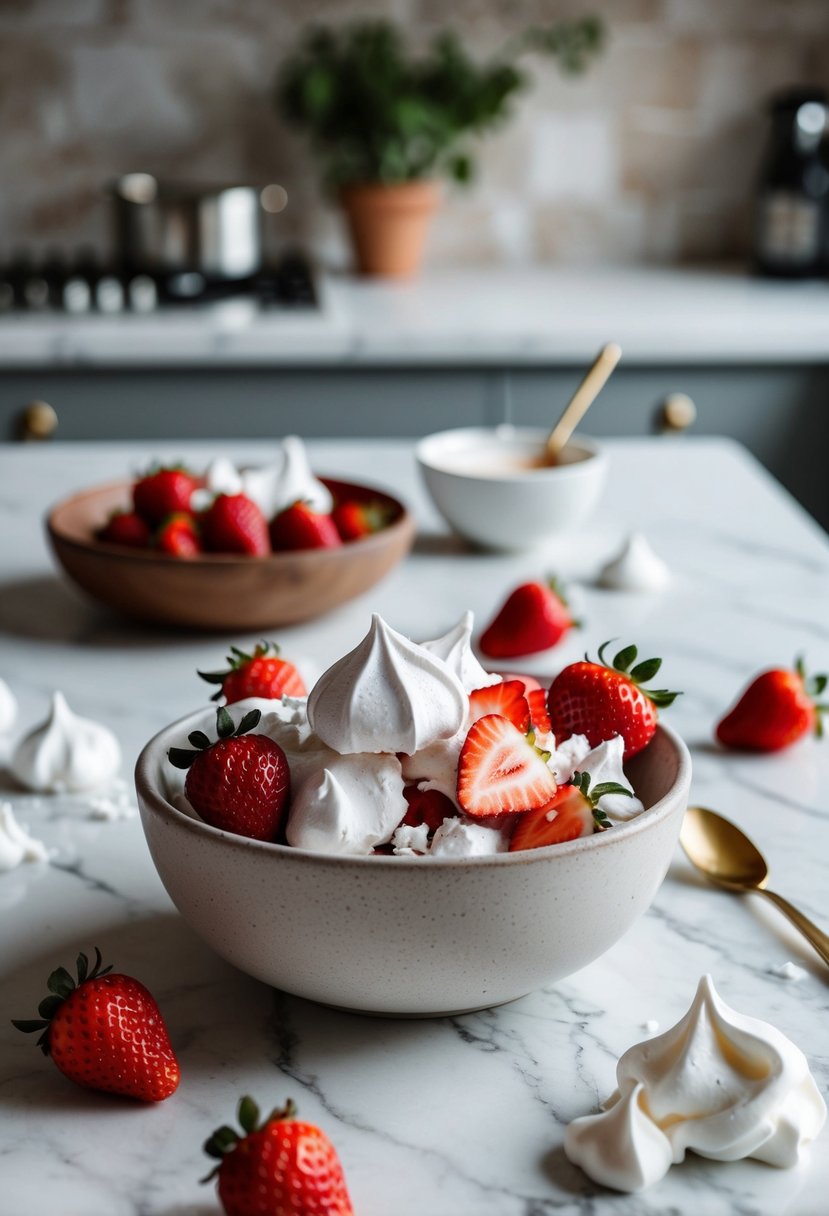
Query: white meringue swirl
66, 753
455, 649
286, 480
8, 708
386, 695
635, 567
720, 1083
351, 805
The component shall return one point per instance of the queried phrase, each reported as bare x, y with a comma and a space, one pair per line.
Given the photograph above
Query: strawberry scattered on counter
778, 708
233, 523
354, 520
240, 782
279, 1166
163, 492
500, 771
126, 528
534, 617
261, 674
601, 701
105, 1031
506, 699
179, 536
298, 527
571, 812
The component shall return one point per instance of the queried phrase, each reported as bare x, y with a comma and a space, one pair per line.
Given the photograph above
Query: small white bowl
407, 935
482, 481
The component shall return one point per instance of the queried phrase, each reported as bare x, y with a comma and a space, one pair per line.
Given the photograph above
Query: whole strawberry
261, 674
126, 528
179, 536
298, 527
105, 1032
778, 708
355, 519
278, 1167
239, 783
534, 617
233, 523
600, 701
572, 812
163, 492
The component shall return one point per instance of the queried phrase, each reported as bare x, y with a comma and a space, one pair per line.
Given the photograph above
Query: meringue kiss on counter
721, 1083
386, 695
66, 753
8, 708
635, 568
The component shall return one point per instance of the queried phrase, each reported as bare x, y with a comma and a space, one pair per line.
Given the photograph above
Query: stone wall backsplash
651, 156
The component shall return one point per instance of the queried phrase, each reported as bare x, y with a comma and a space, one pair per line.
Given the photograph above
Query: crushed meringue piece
409, 840
16, 845
458, 837
566, 757
789, 971
635, 568
604, 763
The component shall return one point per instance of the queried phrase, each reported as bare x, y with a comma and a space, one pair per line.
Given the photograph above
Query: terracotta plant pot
388, 225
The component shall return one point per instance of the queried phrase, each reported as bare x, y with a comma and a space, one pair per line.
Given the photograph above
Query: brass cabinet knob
38, 421
676, 414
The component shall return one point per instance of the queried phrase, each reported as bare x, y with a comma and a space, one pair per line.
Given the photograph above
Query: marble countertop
475, 316
454, 1117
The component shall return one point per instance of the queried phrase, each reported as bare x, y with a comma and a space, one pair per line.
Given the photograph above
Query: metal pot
213, 231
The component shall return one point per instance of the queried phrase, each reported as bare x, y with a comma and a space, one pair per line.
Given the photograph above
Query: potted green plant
386, 123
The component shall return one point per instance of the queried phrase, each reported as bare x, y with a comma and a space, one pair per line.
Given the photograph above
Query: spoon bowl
727, 857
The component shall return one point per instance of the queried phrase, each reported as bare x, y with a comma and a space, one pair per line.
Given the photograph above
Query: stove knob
676, 414
38, 421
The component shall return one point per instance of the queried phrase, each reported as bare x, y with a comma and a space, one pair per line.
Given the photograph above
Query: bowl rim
403, 524
596, 459
150, 796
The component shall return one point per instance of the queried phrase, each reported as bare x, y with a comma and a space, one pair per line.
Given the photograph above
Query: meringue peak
66, 752
455, 649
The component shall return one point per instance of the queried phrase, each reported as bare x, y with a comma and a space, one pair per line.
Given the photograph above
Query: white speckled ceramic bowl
414, 936
482, 482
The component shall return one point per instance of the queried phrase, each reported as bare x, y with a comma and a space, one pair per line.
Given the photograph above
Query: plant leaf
224, 723
248, 1115
250, 720
645, 671
180, 757
60, 982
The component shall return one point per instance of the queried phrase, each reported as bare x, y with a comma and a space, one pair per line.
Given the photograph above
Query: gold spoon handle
584, 396
816, 937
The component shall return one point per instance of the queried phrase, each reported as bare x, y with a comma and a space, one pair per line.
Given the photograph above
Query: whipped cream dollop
458, 837
16, 845
8, 708
455, 648
436, 767
635, 567
604, 764
721, 1083
350, 806
285, 480
386, 695
66, 753
566, 756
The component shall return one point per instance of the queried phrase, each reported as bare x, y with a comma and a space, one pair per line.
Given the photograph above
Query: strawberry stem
182, 757
638, 674
61, 985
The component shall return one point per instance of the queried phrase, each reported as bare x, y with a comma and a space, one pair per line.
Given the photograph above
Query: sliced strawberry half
500, 772
537, 700
506, 699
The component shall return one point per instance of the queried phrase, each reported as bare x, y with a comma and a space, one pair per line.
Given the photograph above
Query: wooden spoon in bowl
584, 396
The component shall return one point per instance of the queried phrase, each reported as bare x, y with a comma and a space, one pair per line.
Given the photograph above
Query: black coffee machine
791, 230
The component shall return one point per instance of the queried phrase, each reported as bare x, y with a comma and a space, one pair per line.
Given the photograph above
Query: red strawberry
298, 527
571, 813
776, 709
261, 674
506, 699
427, 806
529, 682
233, 523
598, 701
126, 528
279, 1167
534, 617
500, 771
106, 1032
179, 536
163, 492
537, 700
240, 783
354, 520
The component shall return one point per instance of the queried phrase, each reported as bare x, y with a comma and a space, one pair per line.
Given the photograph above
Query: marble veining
453, 1117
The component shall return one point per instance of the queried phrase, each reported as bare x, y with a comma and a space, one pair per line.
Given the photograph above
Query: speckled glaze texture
454, 935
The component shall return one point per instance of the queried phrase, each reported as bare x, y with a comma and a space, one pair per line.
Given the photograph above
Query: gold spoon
594, 381
728, 858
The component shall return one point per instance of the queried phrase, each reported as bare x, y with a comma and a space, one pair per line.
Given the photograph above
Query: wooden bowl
221, 591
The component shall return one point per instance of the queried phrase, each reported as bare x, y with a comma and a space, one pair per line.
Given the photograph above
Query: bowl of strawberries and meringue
227, 548
415, 835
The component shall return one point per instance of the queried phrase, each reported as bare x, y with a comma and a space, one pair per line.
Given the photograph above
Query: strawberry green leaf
61, 983
49, 1006
248, 1115
199, 739
180, 757
625, 657
661, 697
223, 1138
82, 966
213, 677
28, 1025
609, 787
250, 720
645, 670
224, 723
